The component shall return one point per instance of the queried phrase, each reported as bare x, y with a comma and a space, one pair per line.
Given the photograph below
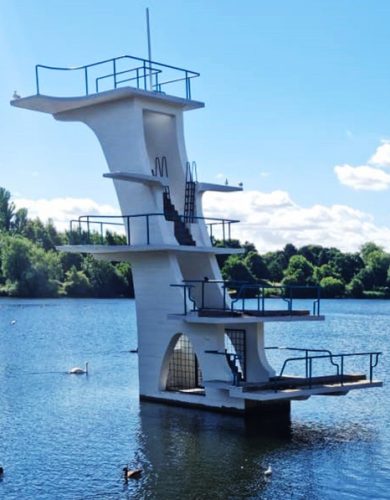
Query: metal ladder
189, 197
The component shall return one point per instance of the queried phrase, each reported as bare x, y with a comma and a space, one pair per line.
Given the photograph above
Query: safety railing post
37, 78
203, 283
86, 79
88, 235
128, 229
342, 369
147, 230
306, 363
310, 371
114, 71
101, 233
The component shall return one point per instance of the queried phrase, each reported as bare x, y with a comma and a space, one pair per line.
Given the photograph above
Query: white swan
268, 471
79, 371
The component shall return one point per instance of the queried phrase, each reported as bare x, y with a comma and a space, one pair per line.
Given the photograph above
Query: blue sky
292, 89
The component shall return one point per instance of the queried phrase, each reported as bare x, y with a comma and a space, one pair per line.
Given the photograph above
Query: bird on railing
15, 95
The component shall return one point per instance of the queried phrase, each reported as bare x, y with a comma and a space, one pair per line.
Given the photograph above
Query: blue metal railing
84, 222
283, 292
308, 360
233, 360
262, 292
142, 74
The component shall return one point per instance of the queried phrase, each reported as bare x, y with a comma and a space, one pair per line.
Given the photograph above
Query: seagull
268, 471
15, 95
13, 322
226, 182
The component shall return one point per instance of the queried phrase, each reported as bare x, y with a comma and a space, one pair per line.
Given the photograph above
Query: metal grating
183, 368
235, 347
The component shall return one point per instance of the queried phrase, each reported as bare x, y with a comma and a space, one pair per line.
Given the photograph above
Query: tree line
30, 265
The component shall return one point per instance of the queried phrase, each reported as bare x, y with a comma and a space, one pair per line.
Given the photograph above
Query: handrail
306, 351
148, 67
242, 285
373, 358
234, 357
288, 289
126, 219
152, 72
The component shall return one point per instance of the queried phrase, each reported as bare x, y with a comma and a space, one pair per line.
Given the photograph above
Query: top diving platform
107, 81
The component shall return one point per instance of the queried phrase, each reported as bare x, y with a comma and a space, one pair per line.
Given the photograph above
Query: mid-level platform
295, 388
118, 252
243, 318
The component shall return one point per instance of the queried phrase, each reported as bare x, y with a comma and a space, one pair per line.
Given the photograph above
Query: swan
268, 471
131, 474
79, 371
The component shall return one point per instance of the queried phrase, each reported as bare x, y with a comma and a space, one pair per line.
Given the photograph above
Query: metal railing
144, 75
81, 228
308, 361
232, 359
283, 292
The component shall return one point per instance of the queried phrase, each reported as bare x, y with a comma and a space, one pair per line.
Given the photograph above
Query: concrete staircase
182, 234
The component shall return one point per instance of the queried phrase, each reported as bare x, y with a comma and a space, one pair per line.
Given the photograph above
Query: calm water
68, 437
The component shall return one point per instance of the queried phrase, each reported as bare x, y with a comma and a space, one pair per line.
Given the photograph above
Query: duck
268, 471
79, 371
131, 473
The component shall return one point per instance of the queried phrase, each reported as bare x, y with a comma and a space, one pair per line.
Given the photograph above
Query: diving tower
201, 340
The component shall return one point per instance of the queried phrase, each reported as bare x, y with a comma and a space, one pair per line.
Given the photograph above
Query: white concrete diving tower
200, 339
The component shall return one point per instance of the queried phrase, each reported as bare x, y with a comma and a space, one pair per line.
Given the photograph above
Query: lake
68, 437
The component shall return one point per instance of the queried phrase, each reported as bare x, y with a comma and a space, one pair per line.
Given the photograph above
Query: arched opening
184, 373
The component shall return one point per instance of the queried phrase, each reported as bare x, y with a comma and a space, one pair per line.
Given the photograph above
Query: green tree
332, 287
355, 288
256, 266
77, 284
299, 271
7, 210
234, 269
105, 279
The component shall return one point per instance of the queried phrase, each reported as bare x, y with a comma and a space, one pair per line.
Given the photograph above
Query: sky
296, 108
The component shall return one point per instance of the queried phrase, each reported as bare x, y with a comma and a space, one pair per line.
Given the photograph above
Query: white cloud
381, 156
363, 177
270, 220
62, 210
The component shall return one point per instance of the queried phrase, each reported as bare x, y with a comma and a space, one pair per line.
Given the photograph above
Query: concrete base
276, 411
